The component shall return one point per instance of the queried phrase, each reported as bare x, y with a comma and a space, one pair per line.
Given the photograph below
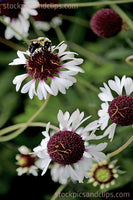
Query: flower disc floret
26, 160
103, 174
117, 105
106, 23
69, 149
121, 110
43, 65
66, 147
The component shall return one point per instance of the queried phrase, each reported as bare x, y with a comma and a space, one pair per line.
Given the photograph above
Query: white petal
56, 21
18, 80
128, 86
23, 150
46, 164
45, 26
117, 85
63, 119
32, 90
92, 126
106, 94
62, 48
60, 84
41, 91
29, 88
25, 24
21, 60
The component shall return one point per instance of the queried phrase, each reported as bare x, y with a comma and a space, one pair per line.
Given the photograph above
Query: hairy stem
121, 148
59, 190
86, 4
18, 132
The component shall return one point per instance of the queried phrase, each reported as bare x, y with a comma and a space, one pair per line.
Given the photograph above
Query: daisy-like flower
26, 161
47, 17
68, 148
16, 13
54, 69
103, 174
118, 108
106, 23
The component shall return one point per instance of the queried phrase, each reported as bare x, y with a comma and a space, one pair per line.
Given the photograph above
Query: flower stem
86, 4
123, 15
59, 33
6, 24
59, 190
11, 128
128, 60
32, 124
40, 110
37, 31
12, 44
121, 148
18, 132
88, 85
76, 20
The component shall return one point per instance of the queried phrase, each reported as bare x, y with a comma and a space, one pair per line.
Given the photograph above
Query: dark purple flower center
103, 174
43, 65
66, 147
121, 110
11, 8
106, 23
26, 160
46, 13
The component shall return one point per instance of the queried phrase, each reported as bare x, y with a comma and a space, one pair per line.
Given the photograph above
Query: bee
40, 44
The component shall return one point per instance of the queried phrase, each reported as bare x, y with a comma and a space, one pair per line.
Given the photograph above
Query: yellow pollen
117, 110
103, 174
22, 161
42, 68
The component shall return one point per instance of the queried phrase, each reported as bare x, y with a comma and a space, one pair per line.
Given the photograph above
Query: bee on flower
53, 66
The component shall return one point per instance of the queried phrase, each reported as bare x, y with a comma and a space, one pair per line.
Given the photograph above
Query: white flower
45, 26
26, 161
59, 68
18, 21
119, 108
68, 148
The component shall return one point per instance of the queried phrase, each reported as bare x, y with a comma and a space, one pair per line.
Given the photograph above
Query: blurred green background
103, 58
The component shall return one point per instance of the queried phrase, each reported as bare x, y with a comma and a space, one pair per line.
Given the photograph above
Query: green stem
59, 190
81, 5
121, 148
128, 60
6, 24
18, 126
59, 33
88, 85
11, 128
12, 44
123, 15
76, 20
38, 32
18, 132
